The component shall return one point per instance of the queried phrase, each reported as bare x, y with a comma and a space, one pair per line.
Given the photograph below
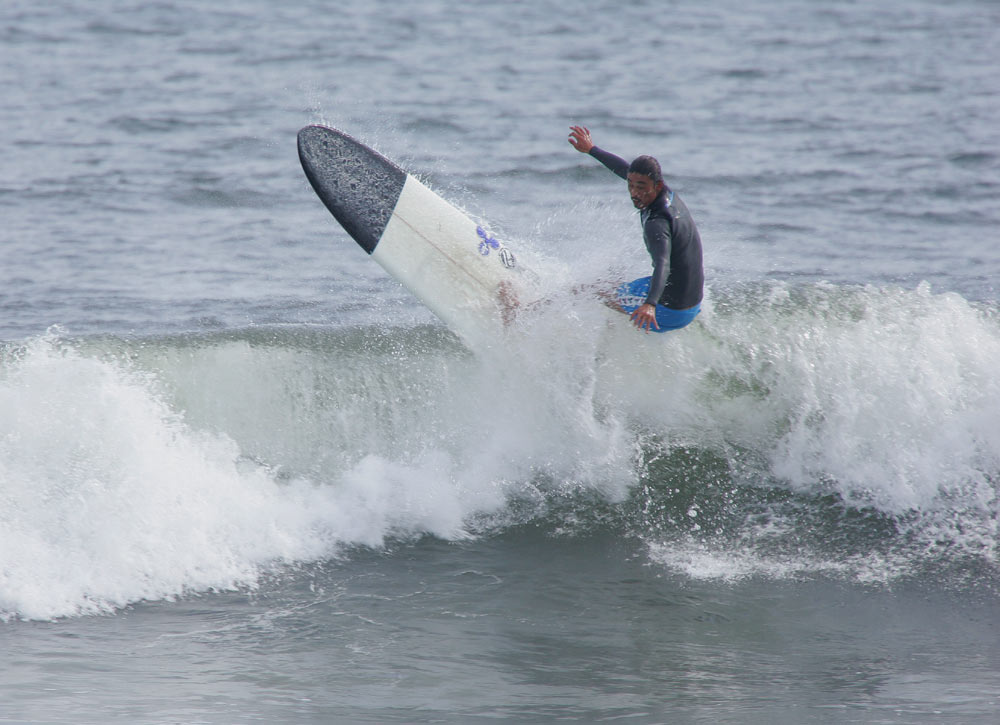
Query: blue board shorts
632, 295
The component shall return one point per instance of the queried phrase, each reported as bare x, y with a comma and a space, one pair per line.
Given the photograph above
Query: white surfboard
448, 261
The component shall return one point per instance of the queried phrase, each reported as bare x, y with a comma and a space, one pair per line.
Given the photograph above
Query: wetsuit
673, 243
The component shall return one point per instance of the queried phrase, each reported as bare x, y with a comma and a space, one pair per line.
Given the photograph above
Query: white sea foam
133, 471
110, 497
120, 485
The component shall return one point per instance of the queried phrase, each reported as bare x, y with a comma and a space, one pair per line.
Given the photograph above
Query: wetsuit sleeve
657, 236
617, 164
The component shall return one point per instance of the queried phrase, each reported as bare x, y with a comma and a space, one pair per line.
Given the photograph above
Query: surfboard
451, 263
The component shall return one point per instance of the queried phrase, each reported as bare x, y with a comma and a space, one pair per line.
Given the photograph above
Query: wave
791, 431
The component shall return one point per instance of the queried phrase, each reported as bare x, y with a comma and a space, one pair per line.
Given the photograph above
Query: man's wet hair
647, 166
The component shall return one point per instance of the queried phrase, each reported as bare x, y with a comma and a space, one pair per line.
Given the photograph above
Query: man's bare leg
510, 304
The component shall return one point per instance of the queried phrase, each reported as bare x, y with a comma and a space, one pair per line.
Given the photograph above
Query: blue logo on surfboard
489, 242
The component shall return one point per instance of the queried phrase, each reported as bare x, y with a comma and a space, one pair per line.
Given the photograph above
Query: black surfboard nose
358, 185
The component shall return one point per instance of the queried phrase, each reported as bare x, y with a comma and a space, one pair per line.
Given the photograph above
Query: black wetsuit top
672, 241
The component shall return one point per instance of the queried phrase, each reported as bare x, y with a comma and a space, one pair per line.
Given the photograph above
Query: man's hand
644, 317
579, 138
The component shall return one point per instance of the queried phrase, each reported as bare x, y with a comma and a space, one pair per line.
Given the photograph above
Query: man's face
643, 189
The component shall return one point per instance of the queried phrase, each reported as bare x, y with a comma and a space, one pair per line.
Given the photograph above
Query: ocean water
245, 477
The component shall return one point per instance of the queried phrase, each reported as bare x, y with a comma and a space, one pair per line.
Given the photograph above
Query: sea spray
865, 417
791, 430
111, 497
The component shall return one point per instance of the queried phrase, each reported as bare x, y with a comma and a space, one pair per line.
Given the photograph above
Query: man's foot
508, 303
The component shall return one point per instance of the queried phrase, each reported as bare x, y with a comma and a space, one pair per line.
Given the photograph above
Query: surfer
671, 297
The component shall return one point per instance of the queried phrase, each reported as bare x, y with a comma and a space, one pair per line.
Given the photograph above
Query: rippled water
247, 477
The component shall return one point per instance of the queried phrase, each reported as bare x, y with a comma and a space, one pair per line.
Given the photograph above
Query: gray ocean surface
246, 477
